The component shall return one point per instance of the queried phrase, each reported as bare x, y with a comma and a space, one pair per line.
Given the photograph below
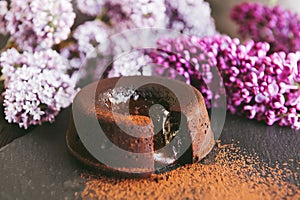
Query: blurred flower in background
39, 24
92, 38
3, 11
221, 12
279, 27
192, 17
90, 7
128, 14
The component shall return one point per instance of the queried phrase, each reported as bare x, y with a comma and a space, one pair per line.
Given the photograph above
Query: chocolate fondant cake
139, 125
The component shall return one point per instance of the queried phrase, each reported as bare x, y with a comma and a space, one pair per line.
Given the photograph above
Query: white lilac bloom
130, 64
3, 11
36, 86
76, 59
92, 38
128, 14
83, 70
39, 24
192, 17
90, 7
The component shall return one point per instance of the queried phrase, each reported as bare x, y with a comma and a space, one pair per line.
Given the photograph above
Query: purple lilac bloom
92, 38
259, 84
89, 55
132, 63
128, 14
39, 24
279, 27
3, 11
187, 57
191, 17
90, 7
88, 51
36, 86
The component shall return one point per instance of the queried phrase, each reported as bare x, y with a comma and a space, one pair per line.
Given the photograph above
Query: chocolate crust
197, 122
78, 150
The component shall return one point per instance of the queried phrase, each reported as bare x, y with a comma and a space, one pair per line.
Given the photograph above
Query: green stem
102, 16
285, 115
1, 84
9, 44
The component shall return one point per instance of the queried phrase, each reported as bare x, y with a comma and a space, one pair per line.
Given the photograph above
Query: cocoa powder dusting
227, 173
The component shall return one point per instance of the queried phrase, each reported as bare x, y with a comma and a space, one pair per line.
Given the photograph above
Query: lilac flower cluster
90, 7
76, 59
130, 64
279, 27
39, 24
128, 14
187, 57
92, 38
186, 16
190, 17
259, 84
37, 86
88, 49
3, 11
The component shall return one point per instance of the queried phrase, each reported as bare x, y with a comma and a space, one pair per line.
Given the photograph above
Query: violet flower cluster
189, 59
135, 63
76, 59
190, 17
279, 27
3, 11
128, 14
37, 86
259, 84
39, 24
186, 16
88, 49
90, 7
92, 38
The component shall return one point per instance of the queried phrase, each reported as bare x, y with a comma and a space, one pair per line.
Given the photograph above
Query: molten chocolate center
162, 108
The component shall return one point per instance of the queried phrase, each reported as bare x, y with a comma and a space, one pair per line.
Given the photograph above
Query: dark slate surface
38, 165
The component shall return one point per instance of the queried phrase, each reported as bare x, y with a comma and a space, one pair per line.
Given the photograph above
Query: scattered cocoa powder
227, 173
